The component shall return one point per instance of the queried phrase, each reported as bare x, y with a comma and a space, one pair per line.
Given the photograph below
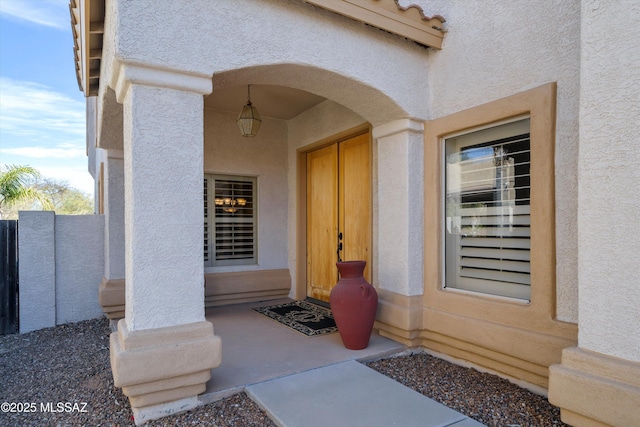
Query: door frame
301, 202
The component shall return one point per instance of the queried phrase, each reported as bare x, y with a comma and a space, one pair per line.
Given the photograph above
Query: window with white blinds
229, 220
487, 230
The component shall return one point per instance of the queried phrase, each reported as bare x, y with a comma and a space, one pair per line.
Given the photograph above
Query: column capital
113, 153
128, 73
398, 126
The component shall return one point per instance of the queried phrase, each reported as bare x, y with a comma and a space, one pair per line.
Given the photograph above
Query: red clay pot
354, 303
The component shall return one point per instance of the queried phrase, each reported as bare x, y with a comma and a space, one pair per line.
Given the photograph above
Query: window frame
539, 104
212, 220
452, 279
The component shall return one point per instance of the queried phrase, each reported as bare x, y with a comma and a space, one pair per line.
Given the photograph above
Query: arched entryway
341, 108
166, 139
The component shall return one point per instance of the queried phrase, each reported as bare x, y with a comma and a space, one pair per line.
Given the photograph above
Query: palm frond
16, 184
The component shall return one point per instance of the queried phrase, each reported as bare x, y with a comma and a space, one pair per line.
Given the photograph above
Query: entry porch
257, 349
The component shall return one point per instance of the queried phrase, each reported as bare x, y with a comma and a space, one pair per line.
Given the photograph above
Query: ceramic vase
354, 303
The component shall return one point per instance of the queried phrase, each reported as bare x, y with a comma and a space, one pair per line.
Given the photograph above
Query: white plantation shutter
487, 233
230, 224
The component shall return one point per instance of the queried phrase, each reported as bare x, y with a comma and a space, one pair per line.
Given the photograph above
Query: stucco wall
79, 266
494, 49
387, 70
163, 152
37, 270
399, 189
114, 252
265, 157
91, 122
609, 168
61, 265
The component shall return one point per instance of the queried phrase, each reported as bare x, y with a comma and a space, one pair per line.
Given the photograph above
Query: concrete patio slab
350, 394
256, 348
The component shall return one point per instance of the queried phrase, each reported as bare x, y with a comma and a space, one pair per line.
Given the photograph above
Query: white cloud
50, 13
76, 176
36, 112
44, 129
65, 151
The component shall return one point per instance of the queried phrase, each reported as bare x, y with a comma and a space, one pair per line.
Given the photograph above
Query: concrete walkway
350, 394
314, 381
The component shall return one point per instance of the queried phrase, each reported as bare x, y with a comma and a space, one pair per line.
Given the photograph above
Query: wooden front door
338, 211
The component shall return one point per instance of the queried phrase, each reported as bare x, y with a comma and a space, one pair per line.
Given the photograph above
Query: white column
111, 290
164, 265
163, 146
400, 206
114, 215
598, 382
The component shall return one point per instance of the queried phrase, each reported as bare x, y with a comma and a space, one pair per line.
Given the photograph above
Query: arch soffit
369, 102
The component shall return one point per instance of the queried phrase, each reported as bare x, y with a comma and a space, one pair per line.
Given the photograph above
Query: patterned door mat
302, 316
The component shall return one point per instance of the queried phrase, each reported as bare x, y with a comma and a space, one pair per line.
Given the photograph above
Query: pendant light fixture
249, 120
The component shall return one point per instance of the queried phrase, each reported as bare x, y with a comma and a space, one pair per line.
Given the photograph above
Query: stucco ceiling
278, 102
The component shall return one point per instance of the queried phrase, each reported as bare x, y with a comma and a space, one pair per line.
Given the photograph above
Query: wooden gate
8, 277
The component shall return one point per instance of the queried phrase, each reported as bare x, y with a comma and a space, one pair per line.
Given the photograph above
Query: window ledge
490, 297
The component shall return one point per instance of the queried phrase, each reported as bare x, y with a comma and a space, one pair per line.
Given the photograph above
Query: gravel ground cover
61, 377
70, 364
487, 398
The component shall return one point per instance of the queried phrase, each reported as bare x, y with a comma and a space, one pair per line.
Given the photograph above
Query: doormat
301, 316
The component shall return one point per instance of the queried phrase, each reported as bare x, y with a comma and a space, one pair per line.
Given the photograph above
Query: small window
487, 211
229, 220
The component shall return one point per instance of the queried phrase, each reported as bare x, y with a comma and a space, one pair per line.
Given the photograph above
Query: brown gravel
486, 398
70, 364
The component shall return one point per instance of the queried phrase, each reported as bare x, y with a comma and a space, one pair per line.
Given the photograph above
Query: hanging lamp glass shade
249, 120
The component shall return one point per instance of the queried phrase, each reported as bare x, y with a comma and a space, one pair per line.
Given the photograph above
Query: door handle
338, 251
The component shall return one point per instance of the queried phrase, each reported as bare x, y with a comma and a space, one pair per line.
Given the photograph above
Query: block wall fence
61, 264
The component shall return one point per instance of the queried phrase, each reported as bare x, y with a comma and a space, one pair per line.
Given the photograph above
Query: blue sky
42, 111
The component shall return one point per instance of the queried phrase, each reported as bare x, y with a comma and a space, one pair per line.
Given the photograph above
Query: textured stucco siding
264, 156
228, 35
399, 188
492, 50
79, 267
495, 49
37, 270
61, 265
91, 122
163, 152
609, 169
114, 262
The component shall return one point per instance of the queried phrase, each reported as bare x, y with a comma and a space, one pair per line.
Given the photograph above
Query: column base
162, 370
595, 390
399, 317
111, 297
154, 412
